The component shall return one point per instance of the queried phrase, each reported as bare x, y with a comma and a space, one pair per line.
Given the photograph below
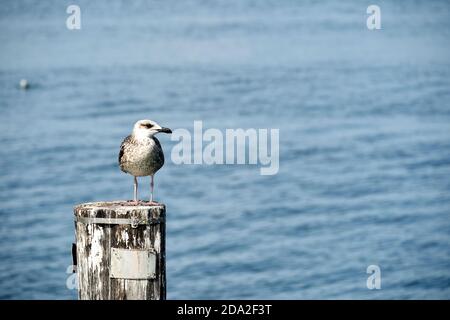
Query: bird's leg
135, 191
151, 188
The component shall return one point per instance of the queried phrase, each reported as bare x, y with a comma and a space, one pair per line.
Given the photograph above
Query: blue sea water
364, 119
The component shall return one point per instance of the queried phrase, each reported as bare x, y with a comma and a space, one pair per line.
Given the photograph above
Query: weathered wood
101, 226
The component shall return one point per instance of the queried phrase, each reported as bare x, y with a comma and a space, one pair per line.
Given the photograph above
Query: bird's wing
160, 151
122, 148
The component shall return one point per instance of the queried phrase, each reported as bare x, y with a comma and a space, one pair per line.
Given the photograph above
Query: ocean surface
364, 120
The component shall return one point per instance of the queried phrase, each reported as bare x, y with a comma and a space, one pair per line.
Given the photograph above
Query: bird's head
147, 129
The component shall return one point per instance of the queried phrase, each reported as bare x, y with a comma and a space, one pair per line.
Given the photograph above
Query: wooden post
120, 251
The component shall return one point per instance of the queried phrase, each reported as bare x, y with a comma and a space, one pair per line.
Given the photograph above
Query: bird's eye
146, 125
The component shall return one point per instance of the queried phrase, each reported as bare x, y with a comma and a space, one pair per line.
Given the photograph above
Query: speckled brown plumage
142, 157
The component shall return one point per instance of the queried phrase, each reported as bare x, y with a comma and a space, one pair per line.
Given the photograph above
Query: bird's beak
165, 130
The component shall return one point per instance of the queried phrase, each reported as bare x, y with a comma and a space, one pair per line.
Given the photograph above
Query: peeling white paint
96, 254
125, 237
96, 247
157, 245
121, 212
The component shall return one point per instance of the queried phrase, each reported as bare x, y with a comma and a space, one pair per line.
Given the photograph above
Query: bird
141, 153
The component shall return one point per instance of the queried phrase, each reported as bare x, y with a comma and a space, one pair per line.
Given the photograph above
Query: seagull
141, 153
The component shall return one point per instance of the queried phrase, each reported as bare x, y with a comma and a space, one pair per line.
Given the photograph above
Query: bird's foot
151, 202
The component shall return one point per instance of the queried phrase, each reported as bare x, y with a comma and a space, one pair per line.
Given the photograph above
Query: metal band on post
118, 221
